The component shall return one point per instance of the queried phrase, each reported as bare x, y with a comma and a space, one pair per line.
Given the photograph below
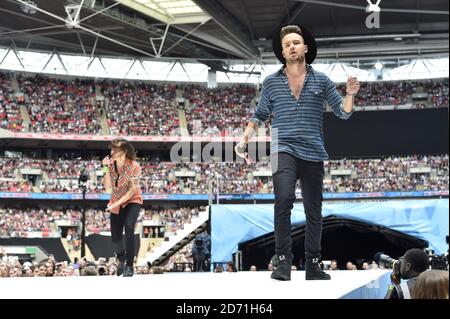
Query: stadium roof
169, 11
220, 32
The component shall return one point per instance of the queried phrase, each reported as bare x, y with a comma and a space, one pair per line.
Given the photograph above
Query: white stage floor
240, 285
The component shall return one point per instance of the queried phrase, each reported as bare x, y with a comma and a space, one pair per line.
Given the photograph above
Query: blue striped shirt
297, 125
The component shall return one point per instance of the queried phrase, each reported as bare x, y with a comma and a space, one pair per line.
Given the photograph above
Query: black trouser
126, 218
288, 170
199, 262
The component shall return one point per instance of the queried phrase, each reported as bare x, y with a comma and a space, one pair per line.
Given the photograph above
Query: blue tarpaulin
426, 219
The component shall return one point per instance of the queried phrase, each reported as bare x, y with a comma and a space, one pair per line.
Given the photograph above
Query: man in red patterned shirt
121, 175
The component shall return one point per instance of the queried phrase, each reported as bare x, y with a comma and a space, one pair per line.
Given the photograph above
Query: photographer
408, 267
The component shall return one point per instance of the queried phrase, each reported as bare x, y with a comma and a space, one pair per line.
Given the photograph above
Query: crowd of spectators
16, 222
10, 266
10, 118
19, 222
401, 93
406, 173
60, 106
140, 109
225, 109
137, 108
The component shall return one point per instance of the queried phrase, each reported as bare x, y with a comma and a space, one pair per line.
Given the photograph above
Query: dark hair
233, 267
418, 259
431, 284
89, 271
124, 145
290, 29
158, 270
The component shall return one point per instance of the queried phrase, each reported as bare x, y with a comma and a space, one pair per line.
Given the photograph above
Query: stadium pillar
212, 79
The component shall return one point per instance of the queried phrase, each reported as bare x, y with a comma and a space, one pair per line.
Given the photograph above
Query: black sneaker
128, 272
283, 270
120, 267
313, 270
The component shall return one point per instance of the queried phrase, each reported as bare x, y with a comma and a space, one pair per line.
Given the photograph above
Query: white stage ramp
359, 284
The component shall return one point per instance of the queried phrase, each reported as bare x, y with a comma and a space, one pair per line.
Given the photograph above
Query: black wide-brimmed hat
309, 39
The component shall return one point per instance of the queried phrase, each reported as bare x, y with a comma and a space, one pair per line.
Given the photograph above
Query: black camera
389, 262
102, 270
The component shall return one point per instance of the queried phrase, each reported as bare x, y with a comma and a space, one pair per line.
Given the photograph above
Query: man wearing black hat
296, 96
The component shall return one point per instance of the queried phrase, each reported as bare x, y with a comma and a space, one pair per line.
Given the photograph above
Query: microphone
377, 257
240, 149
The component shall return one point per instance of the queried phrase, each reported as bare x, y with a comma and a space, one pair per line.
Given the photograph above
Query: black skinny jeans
126, 218
288, 170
